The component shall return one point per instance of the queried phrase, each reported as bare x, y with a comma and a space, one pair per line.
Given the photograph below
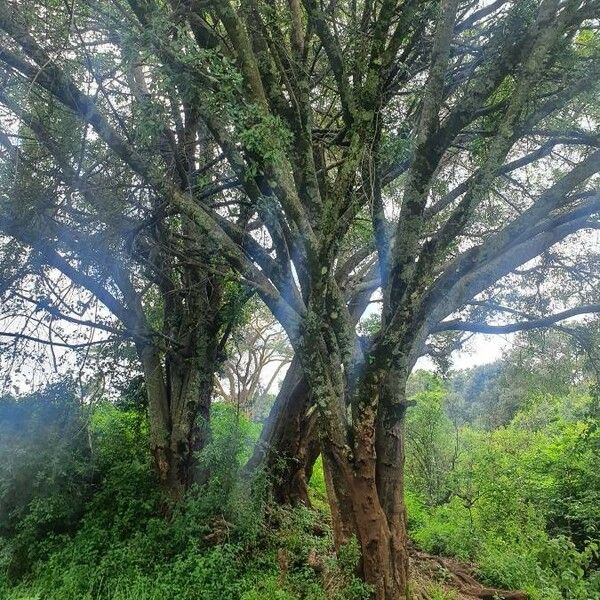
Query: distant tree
433, 446
553, 362
257, 352
421, 381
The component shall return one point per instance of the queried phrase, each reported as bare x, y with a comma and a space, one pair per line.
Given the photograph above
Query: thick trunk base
367, 499
383, 544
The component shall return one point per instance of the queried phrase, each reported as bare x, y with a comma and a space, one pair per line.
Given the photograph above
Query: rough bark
340, 502
190, 421
383, 562
289, 445
365, 482
158, 415
179, 397
390, 457
357, 510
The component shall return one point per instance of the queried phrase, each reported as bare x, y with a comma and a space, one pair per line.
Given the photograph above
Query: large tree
101, 264
427, 149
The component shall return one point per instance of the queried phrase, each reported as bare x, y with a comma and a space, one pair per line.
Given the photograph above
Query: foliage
317, 490
521, 501
318, 152
223, 541
432, 447
435, 592
46, 473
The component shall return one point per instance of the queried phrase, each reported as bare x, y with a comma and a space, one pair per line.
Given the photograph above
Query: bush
522, 501
222, 542
46, 474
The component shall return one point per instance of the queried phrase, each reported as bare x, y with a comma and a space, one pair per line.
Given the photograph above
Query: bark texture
179, 414
288, 445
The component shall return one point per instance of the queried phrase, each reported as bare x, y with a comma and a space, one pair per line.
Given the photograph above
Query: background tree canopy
165, 162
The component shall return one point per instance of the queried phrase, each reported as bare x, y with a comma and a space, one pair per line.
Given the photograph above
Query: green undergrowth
225, 541
521, 501
81, 517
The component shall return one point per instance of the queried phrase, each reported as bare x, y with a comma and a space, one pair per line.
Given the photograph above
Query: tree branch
482, 327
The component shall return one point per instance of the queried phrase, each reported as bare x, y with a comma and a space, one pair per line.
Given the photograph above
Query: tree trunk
158, 415
190, 422
343, 523
292, 487
179, 397
364, 471
368, 494
390, 456
377, 538
358, 509
289, 445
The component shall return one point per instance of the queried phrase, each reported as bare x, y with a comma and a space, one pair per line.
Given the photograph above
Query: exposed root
458, 576
219, 531
428, 574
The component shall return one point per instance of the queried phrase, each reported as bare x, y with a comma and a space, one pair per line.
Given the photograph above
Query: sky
479, 350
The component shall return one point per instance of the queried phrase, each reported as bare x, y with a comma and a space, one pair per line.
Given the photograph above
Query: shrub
222, 542
518, 506
46, 474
